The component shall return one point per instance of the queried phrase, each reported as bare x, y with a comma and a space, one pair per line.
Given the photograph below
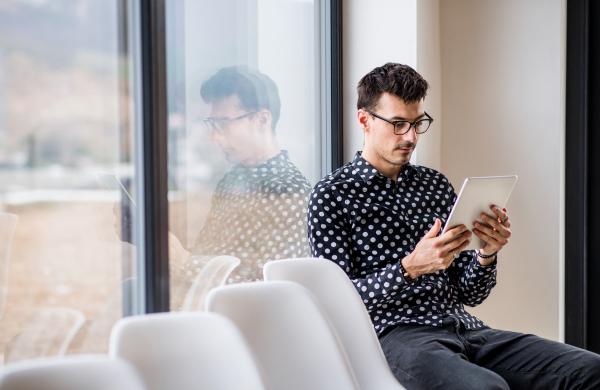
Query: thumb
434, 229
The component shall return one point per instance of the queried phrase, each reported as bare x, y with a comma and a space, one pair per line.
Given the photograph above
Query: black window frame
155, 137
582, 174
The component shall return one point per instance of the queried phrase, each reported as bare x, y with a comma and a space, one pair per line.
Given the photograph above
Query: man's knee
483, 379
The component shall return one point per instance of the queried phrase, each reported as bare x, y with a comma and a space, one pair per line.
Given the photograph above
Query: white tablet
476, 196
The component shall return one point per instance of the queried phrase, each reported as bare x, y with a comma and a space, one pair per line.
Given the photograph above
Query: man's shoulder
287, 178
337, 178
428, 173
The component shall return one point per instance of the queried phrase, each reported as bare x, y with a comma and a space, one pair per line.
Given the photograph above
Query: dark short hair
396, 79
256, 90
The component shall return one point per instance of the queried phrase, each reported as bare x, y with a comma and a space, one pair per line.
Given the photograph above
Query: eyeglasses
403, 127
220, 126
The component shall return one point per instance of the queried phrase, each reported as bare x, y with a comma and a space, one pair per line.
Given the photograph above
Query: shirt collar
367, 172
278, 160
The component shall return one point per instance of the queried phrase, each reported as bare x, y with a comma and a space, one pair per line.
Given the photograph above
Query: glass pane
67, 263
238, 194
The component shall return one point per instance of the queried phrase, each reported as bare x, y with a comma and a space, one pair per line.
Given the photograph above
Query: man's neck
384, 167
265, 154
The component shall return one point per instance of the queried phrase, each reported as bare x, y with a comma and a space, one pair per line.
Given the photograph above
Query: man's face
380, 139
241, 138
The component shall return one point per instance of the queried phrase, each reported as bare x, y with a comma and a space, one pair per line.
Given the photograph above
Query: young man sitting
380, 218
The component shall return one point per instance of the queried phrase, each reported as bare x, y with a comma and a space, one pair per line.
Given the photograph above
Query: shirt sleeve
330, 237
473, 280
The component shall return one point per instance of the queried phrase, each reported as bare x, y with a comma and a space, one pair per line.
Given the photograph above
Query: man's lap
428, 357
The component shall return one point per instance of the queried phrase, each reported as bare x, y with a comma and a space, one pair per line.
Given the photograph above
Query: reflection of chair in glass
71, 373
187, 351
8, 223
48, 334
347, 313
118, 304
293, 340
213, 274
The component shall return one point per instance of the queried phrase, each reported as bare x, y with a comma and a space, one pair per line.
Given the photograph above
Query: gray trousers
450, 357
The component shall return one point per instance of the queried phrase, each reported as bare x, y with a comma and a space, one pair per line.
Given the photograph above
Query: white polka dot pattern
366, 223
257, 214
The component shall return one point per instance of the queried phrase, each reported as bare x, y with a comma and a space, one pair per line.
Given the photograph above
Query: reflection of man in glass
258, 210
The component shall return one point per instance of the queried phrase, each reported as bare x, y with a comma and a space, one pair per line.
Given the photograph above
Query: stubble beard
398, 161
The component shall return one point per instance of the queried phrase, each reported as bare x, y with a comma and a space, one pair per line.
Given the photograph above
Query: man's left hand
495, 235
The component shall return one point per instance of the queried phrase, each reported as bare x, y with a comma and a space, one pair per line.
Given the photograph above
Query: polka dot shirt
257, 214
366, 223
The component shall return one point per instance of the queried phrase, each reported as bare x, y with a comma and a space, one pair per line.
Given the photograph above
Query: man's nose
215, 136
410, 135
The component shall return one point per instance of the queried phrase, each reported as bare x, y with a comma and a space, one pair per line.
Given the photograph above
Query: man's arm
473, 280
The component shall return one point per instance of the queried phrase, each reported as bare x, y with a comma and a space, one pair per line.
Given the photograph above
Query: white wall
496, 70
372, 36
430, 67
503, 108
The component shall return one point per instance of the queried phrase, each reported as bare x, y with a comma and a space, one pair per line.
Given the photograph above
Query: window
246, 131
87, 97
68, 144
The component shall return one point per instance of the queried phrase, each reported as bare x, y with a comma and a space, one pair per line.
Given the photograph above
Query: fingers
501, 213
454, 252
434, 229
492, 242
458, 244
462, 246
495, 225
502, 216
501, 234
452, 233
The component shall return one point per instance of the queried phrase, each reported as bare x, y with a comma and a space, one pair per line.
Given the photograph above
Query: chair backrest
212, 275
186, 351
346, 311
289, 333
8, 223
49, 333
73, 372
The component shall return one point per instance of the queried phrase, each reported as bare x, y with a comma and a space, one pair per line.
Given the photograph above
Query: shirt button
412, 247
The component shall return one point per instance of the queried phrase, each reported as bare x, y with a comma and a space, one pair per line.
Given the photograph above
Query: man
379, 218
258, 208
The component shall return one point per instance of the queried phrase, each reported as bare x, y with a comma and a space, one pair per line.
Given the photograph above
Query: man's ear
363, 120
264, 119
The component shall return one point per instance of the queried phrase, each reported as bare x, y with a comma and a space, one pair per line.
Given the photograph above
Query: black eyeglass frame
211, 123
411, 124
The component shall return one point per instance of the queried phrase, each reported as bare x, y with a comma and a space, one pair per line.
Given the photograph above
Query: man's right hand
435, 253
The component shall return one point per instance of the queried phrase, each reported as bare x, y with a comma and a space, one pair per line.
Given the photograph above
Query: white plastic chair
74, 372
8, 223
186, 351
49, 333
344, 307
212, 275
289, 333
